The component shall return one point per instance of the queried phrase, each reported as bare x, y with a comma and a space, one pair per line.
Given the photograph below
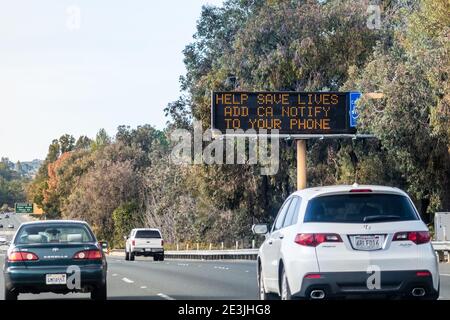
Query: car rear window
148, 234
53, 233
360, 208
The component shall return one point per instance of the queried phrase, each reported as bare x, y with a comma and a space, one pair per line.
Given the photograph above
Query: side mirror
260, 229
103, 245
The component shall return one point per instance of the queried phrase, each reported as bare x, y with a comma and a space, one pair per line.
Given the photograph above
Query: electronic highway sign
291, 113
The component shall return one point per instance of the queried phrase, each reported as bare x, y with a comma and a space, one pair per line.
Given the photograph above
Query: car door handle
281, 236
270, 242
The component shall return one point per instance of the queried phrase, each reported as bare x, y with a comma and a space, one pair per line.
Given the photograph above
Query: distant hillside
24, 168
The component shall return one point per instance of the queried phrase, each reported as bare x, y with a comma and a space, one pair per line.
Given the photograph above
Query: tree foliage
127, 180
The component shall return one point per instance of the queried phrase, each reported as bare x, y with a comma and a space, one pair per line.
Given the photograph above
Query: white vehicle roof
144, 229
339, 189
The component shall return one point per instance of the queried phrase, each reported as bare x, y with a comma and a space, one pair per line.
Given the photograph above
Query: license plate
368, 243
55, 279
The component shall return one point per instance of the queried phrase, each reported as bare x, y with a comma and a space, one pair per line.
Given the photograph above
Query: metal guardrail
442, 249
441, 245
242, 254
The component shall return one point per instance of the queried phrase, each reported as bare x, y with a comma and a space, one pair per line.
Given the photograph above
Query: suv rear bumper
354, 284
148, 252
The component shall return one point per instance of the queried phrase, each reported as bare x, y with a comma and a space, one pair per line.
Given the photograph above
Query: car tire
263, 295
131, 256
161, 257
10, 296
285, 290
127, 255
433, 296
100, 294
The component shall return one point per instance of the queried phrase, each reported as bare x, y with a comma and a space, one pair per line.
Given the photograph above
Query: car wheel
99, 294
432, 296
161, 257
131, 256
263, 295
127, 255
285, 290
10, 296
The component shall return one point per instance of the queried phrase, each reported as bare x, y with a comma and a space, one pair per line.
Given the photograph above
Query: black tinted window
53, 233
148, 234
360, 208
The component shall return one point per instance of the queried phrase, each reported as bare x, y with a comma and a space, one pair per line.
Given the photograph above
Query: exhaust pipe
317, 294
418, 292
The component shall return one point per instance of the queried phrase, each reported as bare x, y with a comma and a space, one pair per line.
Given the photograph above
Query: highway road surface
145, 279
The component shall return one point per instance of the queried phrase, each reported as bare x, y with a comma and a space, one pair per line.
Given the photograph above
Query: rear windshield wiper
381, 218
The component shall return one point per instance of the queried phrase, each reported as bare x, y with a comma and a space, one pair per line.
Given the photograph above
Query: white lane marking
127, 280
183, 264
246, 271
445, 274
114, 274
221, 268
165, 296
144, 287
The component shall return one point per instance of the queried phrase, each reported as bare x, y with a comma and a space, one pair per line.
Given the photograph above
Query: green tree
413, 118
66, 143
101, 139
266, 45
83, 142
125, 218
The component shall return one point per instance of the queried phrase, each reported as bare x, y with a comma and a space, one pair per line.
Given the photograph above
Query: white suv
347, 241
144, 242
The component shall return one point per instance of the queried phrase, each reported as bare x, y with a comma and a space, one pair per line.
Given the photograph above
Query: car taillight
313, 276
314, 239
360, 190
88, 255
133, 242
423, 274
162, 242
418, 237
22, 256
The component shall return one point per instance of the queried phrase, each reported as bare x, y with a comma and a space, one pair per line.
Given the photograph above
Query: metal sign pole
301, 164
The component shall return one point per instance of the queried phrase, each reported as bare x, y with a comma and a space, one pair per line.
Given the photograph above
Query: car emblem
367, 227
55, 249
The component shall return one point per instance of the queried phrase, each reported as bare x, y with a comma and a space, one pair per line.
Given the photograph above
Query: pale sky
118, 63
